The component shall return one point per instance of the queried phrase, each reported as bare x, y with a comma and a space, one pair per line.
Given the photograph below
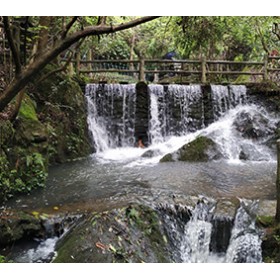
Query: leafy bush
30, 174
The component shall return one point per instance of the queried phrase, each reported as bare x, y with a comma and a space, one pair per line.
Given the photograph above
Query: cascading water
193, 237
225, 98
239, 138
172, 111
156, 127
111, 114
245, 242
177, 116
195, 245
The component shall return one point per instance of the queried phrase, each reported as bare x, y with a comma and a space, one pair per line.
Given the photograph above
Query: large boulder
254, 126
130, 234
200, 150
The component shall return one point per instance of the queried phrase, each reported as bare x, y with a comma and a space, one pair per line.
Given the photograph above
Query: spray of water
240, 130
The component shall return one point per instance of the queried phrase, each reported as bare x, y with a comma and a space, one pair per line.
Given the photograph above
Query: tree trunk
43, 35
277, 218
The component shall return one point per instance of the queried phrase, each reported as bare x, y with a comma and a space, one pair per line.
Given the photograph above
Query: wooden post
203, 70
142, 70
277, 217
265, 73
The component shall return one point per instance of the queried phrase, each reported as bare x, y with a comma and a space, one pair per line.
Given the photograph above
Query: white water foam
229, 130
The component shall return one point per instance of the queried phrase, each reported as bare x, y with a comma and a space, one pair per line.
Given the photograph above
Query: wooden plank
234, 73
273, 69
274, 57
109, 71
172, 71
169, 61
109, 61
234, 62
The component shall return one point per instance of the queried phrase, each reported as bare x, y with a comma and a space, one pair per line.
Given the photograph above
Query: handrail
200, 67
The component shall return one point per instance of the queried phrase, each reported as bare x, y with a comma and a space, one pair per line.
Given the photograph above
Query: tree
231, 38
44, 54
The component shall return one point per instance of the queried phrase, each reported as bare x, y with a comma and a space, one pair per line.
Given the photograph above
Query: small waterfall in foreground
195, 245
193, 233
245, 242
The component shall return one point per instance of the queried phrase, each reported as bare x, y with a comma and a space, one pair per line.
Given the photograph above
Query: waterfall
177, 115
242, 132
195, 245
156, 127
225, 98
111, 114
173, 109
245, 242
191, 233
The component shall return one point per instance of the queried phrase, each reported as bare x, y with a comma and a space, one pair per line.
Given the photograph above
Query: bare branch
68, 27
14, 49
275, 30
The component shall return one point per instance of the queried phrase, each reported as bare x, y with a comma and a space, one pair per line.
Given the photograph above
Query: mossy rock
62, 110
130, 234
28, 109
18, 226
7, 132
202, 149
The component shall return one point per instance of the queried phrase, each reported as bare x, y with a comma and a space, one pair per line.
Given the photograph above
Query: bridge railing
201, 70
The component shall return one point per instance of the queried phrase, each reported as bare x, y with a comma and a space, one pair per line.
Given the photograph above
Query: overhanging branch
68, 26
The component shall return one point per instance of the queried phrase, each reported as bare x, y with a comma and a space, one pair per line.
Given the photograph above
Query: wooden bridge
198, 70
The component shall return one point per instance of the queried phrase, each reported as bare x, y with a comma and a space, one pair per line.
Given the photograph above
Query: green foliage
265, 221
29, 175
2, 259
232, 38
27, 110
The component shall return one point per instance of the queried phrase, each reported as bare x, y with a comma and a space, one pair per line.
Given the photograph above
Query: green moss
7, 132
27, 109
243, 79
196, 150
200, 150
265, 221
167, 158
17, 226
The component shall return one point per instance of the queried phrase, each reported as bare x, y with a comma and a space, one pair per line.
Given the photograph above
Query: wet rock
243, 156
150, 153
226, 208
18, 226
200, 150
130, 234
266, 208
253, 126
222, 224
